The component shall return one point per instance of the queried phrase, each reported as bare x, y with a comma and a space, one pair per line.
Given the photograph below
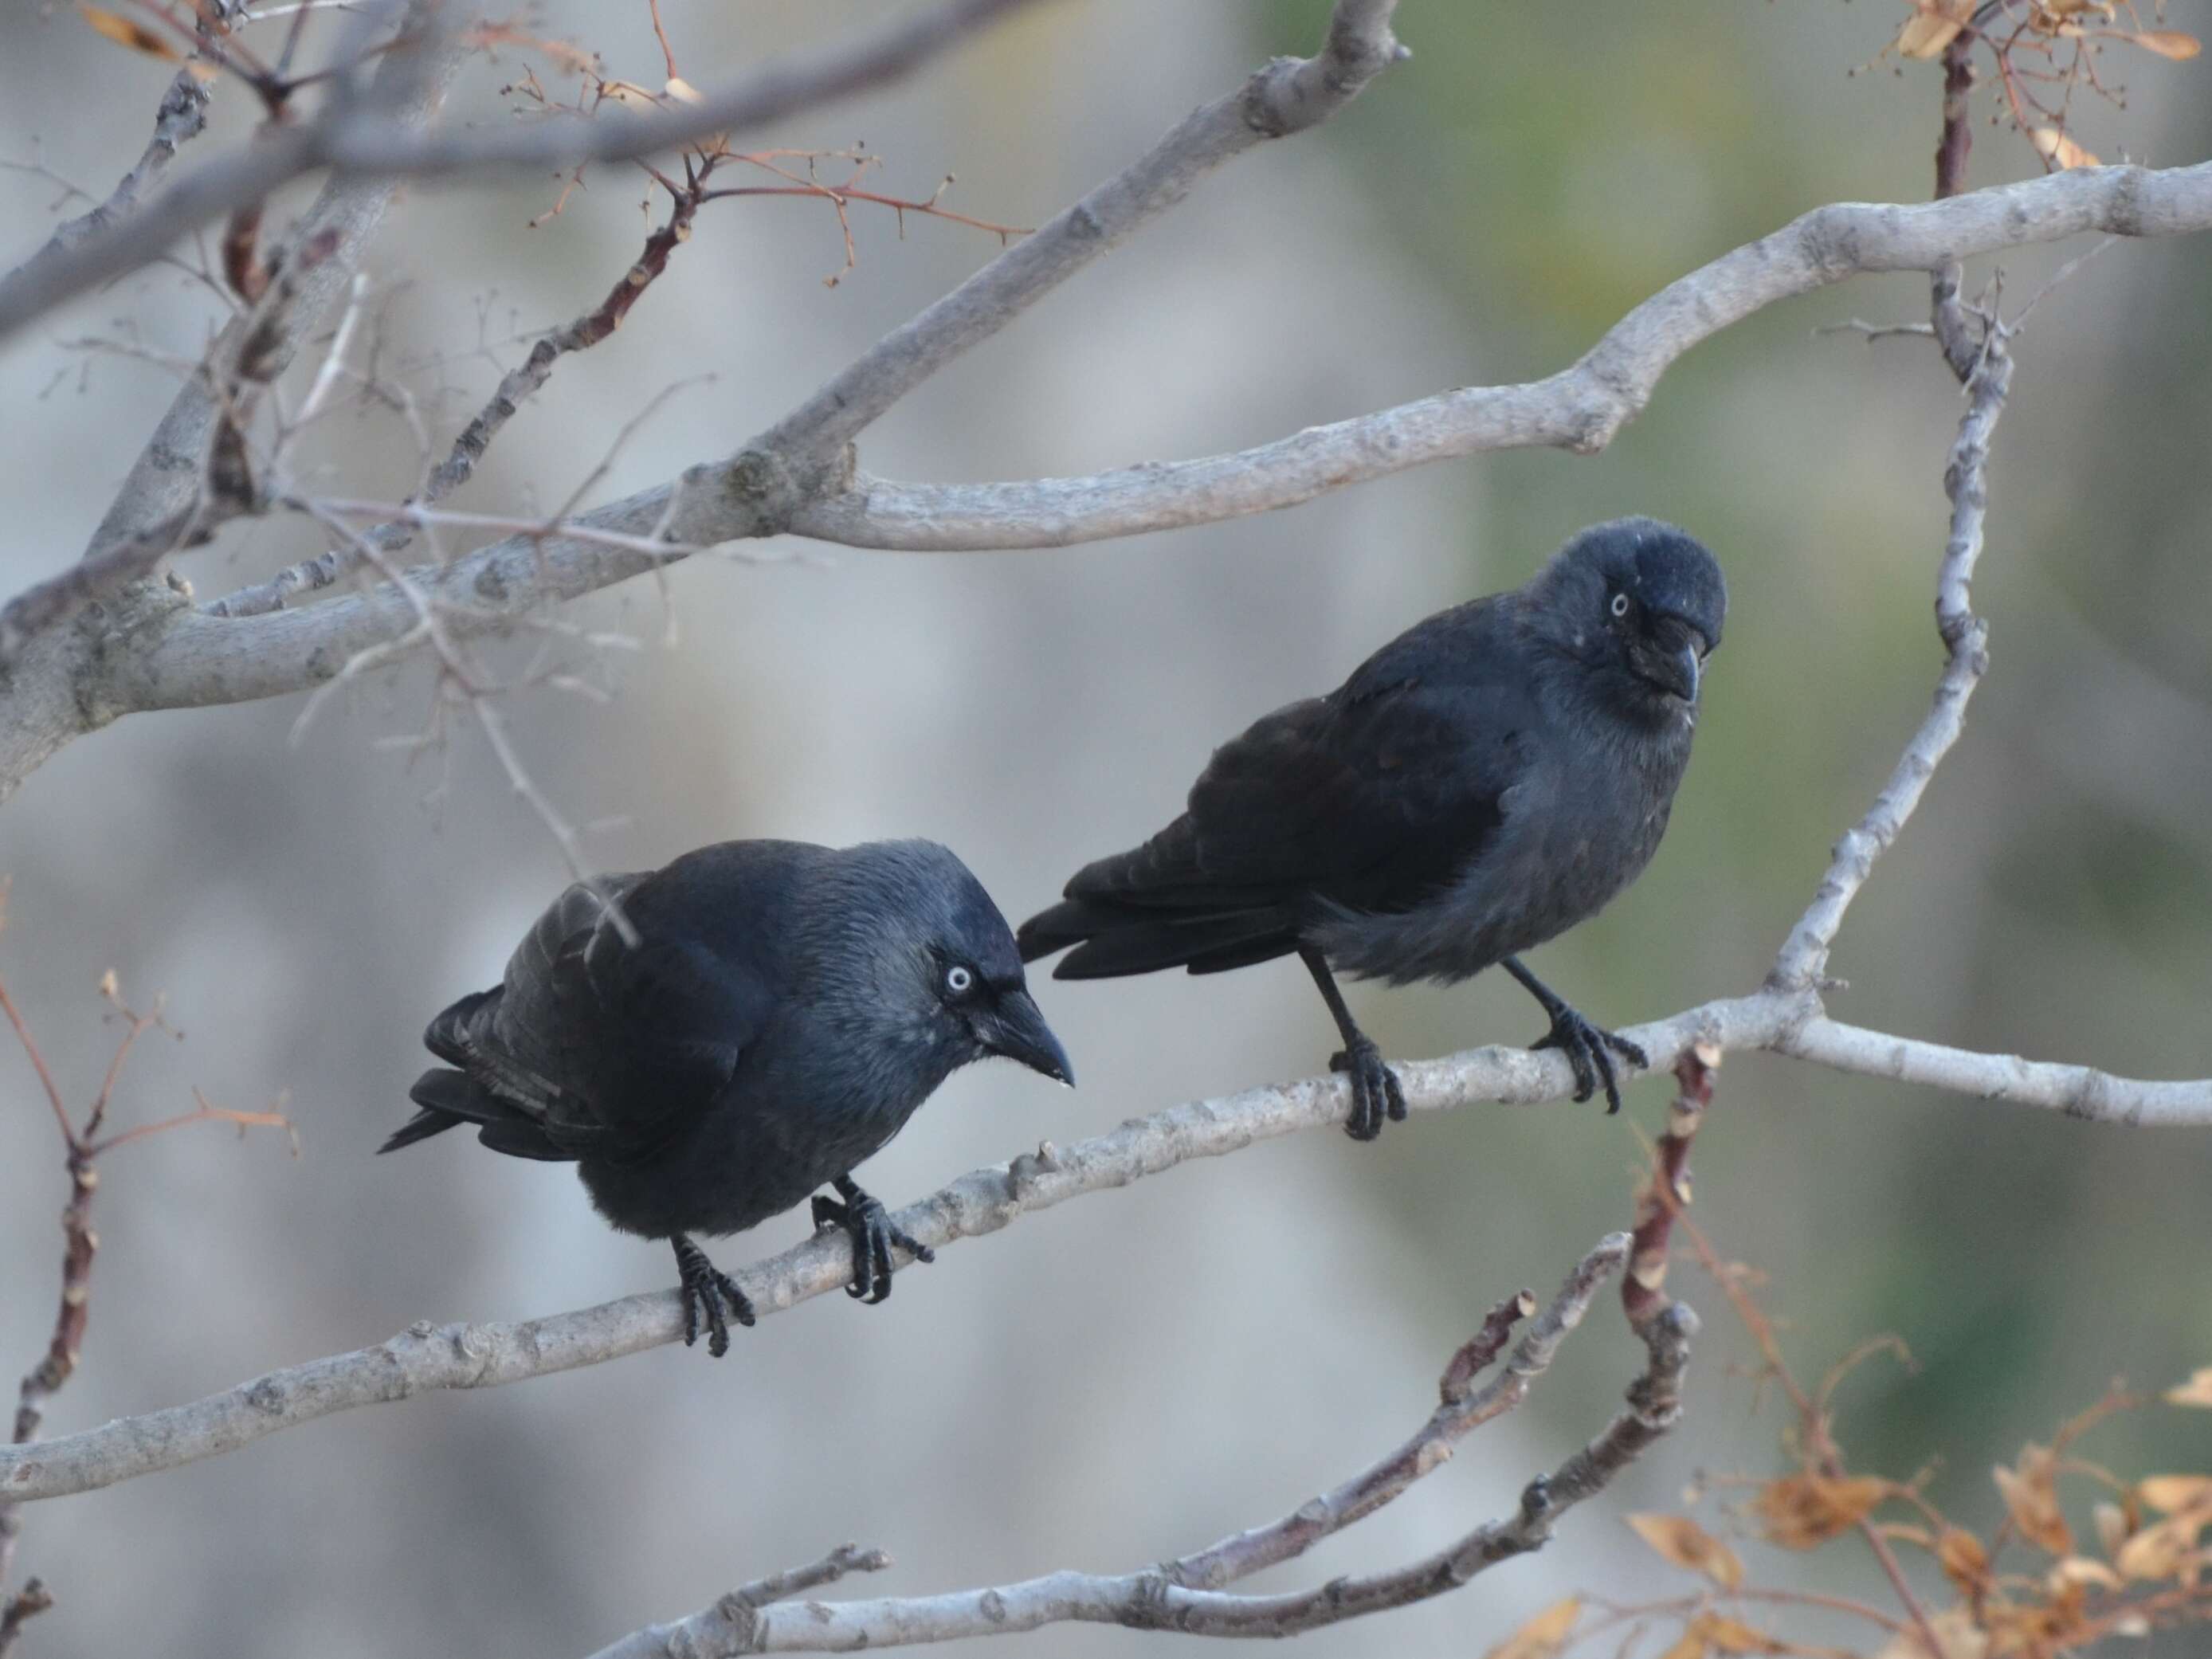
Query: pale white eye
1621, 605
958, 980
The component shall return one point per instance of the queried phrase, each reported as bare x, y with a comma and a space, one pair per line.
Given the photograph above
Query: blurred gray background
1129, 1376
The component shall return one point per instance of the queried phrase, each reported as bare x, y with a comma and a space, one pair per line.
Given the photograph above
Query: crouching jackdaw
782, 1011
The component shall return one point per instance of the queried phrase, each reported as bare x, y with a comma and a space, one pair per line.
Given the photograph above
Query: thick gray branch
1580, 408
360, 139
196, 659
1289, 95
430, 1357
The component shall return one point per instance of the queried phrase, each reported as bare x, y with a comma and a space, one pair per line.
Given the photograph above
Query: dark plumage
785, 1010
1490, 778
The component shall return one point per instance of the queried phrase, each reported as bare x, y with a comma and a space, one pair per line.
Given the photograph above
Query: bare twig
1287, 96
1642, 1289
514, 388
181, 118
1186, 1595
1804, 955
359, 141
187, 479
82, 1146
1949, 315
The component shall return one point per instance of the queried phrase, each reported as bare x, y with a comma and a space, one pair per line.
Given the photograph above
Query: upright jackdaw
1490, 778
783, 1011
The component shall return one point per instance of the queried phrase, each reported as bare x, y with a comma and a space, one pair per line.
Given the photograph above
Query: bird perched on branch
774, 1015
1490, 778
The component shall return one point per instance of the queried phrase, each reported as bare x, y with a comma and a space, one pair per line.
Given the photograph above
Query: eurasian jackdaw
1485, 781
783, 1010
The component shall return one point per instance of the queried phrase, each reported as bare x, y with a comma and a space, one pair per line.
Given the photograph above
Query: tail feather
1111, 941
449, 1097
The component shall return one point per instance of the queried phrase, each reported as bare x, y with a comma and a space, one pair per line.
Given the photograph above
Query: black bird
1490, 778
784, 1010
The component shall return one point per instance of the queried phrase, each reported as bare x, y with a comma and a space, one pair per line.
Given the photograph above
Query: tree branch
358, 140
1804, 955
180, 488
197, 660
427, 1357
1186, 1594
181, 118
1287, 96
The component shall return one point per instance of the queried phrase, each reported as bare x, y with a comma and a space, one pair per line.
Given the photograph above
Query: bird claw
1585, 1045
865, 1221
707, 1287
1375, 1091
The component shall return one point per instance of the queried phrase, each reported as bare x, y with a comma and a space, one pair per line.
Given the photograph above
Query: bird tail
449, 1097
1114, 940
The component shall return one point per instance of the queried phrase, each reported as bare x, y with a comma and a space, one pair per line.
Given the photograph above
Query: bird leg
1375, 1091
706, 1285
1584, 1043
869, 1226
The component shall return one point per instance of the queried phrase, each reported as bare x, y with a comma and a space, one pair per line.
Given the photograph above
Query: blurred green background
1133, 1374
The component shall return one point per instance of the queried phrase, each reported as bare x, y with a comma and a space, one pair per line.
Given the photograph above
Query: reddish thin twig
82, 1146
1643, 1288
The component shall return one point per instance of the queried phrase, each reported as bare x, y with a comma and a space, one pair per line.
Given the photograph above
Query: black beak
1016, 1029
1672, 662
1685, 673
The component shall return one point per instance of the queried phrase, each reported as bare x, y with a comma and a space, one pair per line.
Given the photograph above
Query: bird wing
1369, 798
608, 1044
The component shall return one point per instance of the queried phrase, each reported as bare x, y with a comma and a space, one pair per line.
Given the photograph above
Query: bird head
1642, 603
945, 959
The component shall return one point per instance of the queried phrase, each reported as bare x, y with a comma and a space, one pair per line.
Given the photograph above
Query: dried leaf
1687, 1543
2162, 1551
1690, 1645
1802, 1511
1542, 1637
2169, 43
2031, 1493
1962, 1558
2070, 8
125, 33
2054, 146
2170, 1493
2197, 1391
2080, 1569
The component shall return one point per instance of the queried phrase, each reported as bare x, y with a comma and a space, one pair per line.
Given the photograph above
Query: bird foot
1375, 1091
707, 1288
868, 1225
1585, 1046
